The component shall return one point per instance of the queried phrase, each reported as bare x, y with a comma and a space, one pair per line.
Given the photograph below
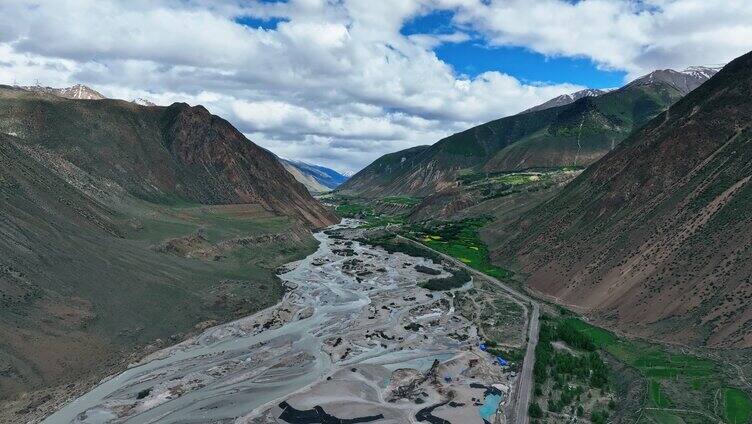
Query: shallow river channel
353, 340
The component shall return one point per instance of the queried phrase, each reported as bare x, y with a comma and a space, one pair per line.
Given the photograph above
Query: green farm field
687, 386
459, 240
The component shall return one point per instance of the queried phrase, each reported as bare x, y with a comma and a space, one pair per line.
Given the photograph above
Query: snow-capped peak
684, 81
566, 99
143, 102
702, 71
77, 92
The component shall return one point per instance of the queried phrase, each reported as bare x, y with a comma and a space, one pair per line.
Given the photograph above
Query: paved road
526, 376
525, 386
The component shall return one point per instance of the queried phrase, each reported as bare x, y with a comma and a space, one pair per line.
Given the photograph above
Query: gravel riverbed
354, 340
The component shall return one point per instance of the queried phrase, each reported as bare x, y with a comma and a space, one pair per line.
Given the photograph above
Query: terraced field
737, 407
688, 387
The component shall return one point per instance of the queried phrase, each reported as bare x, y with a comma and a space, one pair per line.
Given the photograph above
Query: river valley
355, 339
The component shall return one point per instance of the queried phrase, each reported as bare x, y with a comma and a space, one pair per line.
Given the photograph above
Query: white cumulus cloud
337, 83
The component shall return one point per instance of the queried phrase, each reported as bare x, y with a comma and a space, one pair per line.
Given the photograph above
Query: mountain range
573, 134
316, 178
127, 226
160, 153
649, 239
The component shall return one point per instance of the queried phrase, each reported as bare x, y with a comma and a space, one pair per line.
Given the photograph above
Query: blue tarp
489, 407
482, 346
501, 361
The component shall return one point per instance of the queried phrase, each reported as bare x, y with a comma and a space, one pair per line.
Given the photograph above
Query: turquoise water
489, 407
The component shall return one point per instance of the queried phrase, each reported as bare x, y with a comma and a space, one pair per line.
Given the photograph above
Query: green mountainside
575, 134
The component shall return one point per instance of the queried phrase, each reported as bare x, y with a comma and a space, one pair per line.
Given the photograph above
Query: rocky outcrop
76, 92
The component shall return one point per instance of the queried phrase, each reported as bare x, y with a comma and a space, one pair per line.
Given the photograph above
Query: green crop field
650, 359
495, 185
516, 179
354, 210
659, 399
383, 220
686, 385
459, 240
350, 207
401, 200
737, 407
679, 381
483, 180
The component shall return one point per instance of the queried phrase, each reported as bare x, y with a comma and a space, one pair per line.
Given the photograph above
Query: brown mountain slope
82, 284
370, 181
655, 238
160, 154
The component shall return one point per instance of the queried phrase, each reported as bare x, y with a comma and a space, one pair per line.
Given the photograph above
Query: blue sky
475, 56
265, 23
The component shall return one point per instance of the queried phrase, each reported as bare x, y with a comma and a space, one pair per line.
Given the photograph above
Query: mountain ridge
75, 92
574, 134
317, 178
651, 239
566, 99
164, 153
126, 228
